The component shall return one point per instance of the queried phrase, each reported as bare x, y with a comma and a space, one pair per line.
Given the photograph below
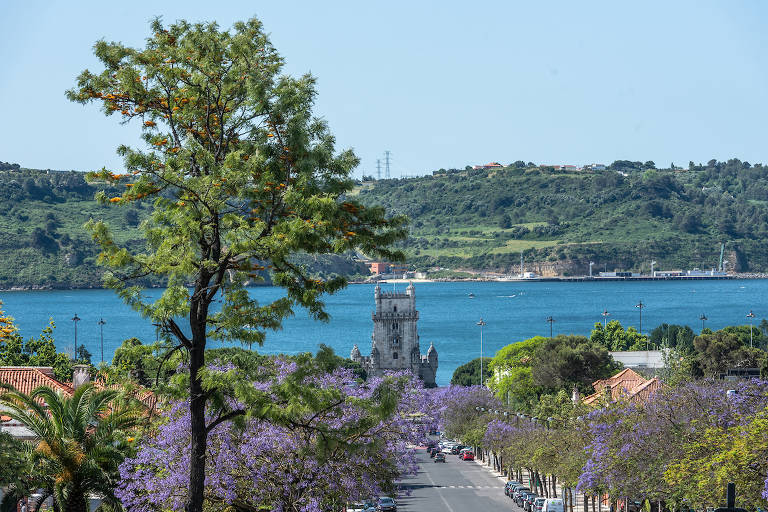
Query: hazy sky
439, 84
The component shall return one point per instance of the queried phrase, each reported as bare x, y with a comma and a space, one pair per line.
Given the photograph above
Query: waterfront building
395, 338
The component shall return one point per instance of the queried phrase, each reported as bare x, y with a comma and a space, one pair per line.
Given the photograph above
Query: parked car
537, 504
457, 448
440, 457
508, 486
464, 450
468, 455
521, 497
386, 504
528, 503
518, 491
552, 505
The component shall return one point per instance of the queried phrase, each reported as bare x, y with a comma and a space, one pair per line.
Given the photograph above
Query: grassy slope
618, 222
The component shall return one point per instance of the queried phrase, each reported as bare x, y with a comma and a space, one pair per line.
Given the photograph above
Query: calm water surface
448, 316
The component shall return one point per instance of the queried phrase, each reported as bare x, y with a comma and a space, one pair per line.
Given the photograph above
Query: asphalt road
455, 486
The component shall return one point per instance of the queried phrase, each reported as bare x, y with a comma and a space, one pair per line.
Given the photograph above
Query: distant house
378, 267
385, 268
595, 167
491, 165
626, 385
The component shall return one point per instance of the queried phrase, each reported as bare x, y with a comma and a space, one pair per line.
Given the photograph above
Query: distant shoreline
561, 279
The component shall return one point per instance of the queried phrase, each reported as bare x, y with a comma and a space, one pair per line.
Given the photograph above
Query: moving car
457, 448
440, 457
386, 504
361, 507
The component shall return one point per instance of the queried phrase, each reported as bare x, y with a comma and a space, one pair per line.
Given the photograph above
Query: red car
468, 456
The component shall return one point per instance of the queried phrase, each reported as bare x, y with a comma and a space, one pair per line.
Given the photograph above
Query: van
552, 505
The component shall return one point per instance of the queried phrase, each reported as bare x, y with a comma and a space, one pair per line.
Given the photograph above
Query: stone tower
395, 338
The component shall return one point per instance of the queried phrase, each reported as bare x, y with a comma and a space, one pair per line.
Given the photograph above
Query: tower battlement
395, 338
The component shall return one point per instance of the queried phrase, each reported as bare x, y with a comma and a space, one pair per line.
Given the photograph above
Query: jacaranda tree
243, 178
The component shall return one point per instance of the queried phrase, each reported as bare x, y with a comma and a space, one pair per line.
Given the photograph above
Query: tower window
394, 326
395, 307
394, 355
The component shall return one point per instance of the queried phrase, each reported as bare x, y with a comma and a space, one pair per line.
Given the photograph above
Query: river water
513, 311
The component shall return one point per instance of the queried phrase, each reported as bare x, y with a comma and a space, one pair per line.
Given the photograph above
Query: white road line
447, 505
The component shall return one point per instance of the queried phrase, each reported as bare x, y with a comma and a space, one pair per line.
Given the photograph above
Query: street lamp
101, 328
640, 306
605, 314
751, 315
481, 324
551, 321
75, 319
703, 319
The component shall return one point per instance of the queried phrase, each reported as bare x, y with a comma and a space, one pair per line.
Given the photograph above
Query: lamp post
551, 321
605, 314
751, 315
481, 323
75, 319
640, 306
101, 328
703, 319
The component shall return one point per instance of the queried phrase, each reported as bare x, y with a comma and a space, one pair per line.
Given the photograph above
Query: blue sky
439, 84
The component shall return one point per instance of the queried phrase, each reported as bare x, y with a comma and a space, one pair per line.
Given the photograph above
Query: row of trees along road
243, 177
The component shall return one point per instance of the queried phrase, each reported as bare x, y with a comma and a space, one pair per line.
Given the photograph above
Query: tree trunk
586, 502
554, 486
198, 400
76, 501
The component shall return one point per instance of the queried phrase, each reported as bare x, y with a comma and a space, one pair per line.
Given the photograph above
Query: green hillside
620, 218
43, 243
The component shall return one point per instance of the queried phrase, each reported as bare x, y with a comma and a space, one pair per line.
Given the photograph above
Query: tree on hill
243, 177
468, 374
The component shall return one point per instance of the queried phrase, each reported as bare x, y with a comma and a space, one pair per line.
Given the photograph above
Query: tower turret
355, 354
432, 355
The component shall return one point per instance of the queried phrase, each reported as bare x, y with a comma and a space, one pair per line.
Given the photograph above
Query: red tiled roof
27, 379
627, 384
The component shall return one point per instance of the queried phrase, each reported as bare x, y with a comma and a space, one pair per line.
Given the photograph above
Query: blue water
448, 316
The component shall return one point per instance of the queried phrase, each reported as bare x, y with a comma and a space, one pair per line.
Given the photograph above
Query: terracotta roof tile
27, 379
625, 385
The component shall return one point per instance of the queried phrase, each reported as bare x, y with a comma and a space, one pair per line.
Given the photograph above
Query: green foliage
468, 374
678, 337
724, 349
41, 351
243, 178
150, 366
526, 371
328, 361
78, 443
563, 362
614, 338
459, 217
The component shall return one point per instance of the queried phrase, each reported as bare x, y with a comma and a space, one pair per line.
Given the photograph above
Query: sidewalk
578, 499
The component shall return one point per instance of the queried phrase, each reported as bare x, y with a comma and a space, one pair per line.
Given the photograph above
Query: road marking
447, 505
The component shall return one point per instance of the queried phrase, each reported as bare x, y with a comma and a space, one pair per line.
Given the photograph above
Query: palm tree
79, 441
